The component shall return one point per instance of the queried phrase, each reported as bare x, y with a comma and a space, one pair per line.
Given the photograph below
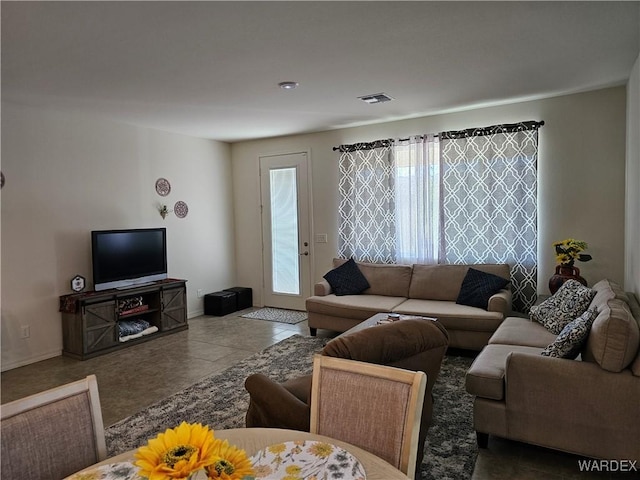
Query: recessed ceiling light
376, 98
288, 85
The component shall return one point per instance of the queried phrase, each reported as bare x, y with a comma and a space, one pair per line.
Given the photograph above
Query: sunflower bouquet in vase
568, 252
191, 452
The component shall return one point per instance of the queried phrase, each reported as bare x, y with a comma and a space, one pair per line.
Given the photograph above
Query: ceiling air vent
376, 98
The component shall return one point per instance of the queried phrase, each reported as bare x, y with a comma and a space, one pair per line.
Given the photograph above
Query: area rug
221, 401
277, 315
451, 441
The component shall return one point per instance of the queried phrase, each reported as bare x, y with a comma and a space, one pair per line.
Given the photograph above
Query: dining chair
52, 434
374, 407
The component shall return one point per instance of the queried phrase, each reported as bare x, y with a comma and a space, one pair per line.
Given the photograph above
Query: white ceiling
211, 69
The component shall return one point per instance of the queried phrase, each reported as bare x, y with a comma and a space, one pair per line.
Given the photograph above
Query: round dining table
254, 440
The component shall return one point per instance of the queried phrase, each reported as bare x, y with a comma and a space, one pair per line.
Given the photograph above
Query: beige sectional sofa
588, 406
427, 290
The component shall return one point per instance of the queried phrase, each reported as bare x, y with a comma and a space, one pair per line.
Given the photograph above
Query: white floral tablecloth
294, 460
306, 460
112, 471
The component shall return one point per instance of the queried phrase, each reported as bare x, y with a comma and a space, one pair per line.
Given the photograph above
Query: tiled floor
136, 377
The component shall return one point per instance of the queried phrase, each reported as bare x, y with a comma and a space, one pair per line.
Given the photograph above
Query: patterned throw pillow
347, 279
477, 287
570, 301
572, 336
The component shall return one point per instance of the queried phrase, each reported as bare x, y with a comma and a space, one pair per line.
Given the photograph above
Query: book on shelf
138, 309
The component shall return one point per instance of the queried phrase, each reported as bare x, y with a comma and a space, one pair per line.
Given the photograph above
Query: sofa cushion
389, 280
609, 289
522, 331
347, 279
485, 377
443, 282
569, 343
604, 292
478, 286
452, 315
610, 348
615, 336
570, 301
358, 307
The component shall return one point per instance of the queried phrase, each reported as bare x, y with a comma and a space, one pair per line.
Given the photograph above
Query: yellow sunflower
277, 448
263, 471
177, 452
293, 470
230, 463
322, 450
570, 250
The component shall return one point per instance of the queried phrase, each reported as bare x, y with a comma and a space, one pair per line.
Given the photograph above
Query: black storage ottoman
219, 303
244, 297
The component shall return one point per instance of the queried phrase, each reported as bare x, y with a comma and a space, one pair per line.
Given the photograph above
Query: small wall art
180, 209
164, 211
163, 187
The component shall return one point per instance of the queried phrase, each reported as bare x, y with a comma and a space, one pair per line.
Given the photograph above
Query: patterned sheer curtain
416, 168
389, 209
488, 201
367, 223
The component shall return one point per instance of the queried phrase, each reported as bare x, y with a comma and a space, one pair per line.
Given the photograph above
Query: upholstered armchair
417, 345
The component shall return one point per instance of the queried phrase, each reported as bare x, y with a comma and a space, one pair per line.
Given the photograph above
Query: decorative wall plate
180, 209
163, 187
78, 283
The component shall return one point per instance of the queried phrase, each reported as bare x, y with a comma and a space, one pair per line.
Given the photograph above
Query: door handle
304, 253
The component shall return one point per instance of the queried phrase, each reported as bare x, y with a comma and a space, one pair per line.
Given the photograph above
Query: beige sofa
588, 406
427, 290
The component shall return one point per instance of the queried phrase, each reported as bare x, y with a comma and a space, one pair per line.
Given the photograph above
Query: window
460, 197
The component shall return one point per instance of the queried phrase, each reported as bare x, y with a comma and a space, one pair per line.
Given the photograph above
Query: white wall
632, 241
67, 175
581, 178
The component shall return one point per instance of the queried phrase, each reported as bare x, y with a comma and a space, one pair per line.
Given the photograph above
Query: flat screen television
128, 258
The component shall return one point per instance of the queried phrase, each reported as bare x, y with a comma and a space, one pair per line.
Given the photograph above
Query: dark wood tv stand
90, 320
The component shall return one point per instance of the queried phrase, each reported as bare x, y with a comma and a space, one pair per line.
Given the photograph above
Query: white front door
286, 230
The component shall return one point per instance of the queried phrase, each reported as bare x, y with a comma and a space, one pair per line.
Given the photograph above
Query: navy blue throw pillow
347, 279
478, 287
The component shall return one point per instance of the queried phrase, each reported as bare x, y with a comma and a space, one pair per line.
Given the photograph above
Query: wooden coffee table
373, 321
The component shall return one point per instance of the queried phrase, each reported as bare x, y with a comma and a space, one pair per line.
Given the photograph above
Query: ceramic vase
564, 273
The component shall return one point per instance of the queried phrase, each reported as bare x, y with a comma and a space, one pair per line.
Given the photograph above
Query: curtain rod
452, 134
492, 130
365, 145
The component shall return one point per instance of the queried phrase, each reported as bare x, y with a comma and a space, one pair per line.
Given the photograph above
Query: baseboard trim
28, 361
